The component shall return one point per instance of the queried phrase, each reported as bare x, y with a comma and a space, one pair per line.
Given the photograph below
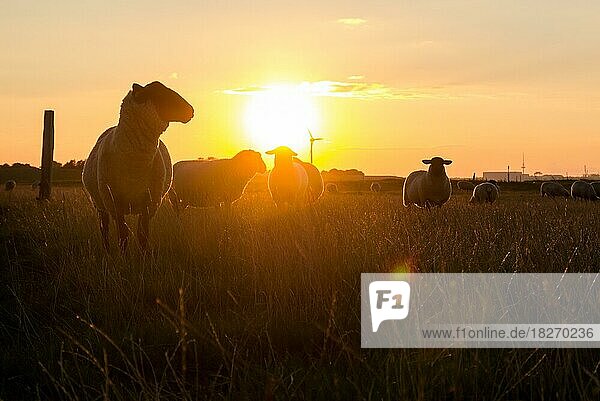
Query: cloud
356, 77
174, 75
350, 90
352, 21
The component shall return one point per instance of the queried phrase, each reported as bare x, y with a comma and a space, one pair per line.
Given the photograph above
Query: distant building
516, 176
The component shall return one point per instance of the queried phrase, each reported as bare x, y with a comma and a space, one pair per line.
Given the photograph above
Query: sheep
315, 180
10, 185
206, 183
596, 186
465, 185
35, 185
331, 187
375, 187
553, 189
583, 190
428, 188
288, 180
485, 192
129, 168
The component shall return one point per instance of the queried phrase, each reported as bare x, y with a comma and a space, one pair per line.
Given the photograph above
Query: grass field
253, 304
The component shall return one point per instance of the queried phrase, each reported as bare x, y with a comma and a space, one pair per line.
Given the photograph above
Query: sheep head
251, 160
282, 154
169, 105
436, 165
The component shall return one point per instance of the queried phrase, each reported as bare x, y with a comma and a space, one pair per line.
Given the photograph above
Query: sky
385, 83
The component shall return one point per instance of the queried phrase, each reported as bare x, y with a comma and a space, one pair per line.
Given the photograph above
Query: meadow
252, 303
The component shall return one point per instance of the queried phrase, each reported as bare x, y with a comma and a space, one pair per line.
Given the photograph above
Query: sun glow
280, 115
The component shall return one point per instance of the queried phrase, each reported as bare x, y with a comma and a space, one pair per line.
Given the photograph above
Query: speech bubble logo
389, 301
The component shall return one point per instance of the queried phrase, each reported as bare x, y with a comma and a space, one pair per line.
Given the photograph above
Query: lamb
485, 192
129, 169
596, 186
315, 180
331, 187
375, 187
553, 189
10, 185
428, 188
288, 181
206, 183
583, 190
465, 185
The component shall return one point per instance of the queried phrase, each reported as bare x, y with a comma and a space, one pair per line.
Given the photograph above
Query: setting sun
280, 115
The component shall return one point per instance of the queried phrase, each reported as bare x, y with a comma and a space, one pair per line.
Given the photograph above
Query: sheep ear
426, 161
294, 153
270, 152
138, 92
447, 162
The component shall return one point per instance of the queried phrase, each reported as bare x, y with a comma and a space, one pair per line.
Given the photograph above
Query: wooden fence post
47, 155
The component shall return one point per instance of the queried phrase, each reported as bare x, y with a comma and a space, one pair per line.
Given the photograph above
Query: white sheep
10, 185
465, 185
331, 187
428, 188
206, 183
375, 187
315, 180
596, 186
129, 169
485, 192
553, 189
583, 190
288, 181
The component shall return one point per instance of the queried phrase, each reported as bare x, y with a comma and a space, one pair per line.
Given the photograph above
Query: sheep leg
143, 231
123, 231
104, 218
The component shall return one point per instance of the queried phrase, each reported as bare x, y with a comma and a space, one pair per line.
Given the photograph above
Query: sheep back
553, 189
484, 193
583, 190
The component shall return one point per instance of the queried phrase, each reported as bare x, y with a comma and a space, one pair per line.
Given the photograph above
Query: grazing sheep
428, 188
129, 169
583, 190
10, 185
553, 189
465, 185
485, 192
315, 181
205, 183
375, 187
288, 181
331, 188
596, 186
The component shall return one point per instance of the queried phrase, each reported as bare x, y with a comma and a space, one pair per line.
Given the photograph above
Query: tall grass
252, 303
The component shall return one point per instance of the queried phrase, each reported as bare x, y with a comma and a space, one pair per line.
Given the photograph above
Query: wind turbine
312, 141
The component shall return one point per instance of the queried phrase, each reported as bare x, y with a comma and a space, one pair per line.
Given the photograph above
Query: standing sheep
129, 169
428, 188
315, 180
485, 192
375, 187
288, 181
465, 185
583, 190
204, 183
553, 189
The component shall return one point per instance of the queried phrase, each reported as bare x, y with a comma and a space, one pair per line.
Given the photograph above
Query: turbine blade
310, 133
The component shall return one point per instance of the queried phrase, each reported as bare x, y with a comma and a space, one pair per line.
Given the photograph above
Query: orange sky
477, 82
